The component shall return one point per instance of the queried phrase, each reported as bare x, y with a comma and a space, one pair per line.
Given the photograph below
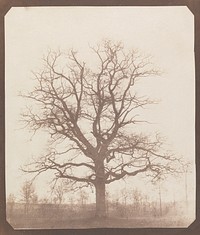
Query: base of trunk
100, 200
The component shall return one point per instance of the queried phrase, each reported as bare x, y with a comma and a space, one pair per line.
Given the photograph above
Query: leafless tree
11, 198
27, 194
59, 192
137, 199
34, 198
108, 198
186, 170
83, 197
92, 114
10, 203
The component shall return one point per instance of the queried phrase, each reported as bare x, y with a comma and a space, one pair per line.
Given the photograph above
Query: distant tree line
127, 204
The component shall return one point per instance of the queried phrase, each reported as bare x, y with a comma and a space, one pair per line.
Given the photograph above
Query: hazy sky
167, 33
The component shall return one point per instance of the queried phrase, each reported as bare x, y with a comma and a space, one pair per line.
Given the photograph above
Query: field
63, 217
138, 222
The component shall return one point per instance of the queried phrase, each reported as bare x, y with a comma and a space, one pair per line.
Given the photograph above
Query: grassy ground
139, 222
50, 216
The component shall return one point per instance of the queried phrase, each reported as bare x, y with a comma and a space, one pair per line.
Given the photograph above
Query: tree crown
93, 112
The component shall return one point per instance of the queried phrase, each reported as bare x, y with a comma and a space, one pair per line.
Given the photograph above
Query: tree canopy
92, 113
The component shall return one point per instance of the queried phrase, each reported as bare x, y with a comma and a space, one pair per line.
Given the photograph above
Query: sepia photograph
100, 117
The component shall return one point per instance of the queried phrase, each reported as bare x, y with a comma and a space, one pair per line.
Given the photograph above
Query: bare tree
27, 194
186, 170
11, 198
34, 198
137, 199
83, 196
10, 203
59, 192
94, 112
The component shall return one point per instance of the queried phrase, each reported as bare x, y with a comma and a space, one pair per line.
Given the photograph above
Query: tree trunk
100, 190
100, 199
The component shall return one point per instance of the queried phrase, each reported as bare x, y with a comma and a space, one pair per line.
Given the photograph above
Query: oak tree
92, 113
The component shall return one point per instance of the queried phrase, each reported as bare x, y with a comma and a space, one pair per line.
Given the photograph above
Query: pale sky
167, 33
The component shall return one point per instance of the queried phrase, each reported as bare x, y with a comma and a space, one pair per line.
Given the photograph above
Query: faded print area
100, 117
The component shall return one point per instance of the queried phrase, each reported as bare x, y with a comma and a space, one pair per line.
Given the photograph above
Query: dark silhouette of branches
93, 112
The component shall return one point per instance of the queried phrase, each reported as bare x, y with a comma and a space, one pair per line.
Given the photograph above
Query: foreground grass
78, 223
